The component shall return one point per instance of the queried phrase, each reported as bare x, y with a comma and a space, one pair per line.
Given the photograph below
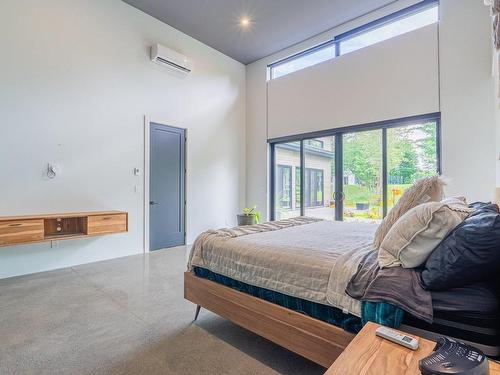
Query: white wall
75, 83
467, 103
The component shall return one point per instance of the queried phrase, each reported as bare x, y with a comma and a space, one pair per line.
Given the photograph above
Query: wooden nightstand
368, 354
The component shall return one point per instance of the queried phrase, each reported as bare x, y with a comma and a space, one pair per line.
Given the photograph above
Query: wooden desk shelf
17, 230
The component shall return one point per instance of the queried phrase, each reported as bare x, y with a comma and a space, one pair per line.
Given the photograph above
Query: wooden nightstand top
368, 354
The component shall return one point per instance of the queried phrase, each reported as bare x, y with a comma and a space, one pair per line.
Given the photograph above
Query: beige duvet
302, 257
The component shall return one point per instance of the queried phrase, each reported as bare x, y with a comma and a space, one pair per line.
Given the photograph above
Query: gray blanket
396, 285
301, 257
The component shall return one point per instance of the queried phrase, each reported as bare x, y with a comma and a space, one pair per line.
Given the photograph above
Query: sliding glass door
353, 173
411, 154
362, 176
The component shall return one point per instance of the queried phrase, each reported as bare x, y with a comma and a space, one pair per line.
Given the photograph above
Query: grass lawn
362, 194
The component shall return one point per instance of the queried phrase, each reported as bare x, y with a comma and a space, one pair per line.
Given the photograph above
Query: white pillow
416, 234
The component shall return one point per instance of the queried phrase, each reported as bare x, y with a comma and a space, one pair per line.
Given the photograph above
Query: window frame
298, 175
336, 40
313, 173
289, 168
338, 134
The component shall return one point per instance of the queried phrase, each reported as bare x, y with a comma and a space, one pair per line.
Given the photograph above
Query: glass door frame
339, 165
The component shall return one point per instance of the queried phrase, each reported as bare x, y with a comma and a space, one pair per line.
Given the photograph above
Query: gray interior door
166, 187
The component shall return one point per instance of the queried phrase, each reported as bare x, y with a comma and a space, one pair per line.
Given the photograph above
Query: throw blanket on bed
396, 285
301, 257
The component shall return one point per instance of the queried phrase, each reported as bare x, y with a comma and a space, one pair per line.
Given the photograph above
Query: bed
286, 281
294, 257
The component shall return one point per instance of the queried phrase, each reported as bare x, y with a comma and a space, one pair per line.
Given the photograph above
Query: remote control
399, 338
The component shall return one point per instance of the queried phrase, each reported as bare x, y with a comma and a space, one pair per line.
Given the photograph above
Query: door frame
146, 182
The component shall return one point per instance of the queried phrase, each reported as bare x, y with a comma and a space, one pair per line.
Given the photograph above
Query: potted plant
249, 216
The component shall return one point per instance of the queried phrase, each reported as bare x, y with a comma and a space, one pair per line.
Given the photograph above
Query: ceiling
274, 24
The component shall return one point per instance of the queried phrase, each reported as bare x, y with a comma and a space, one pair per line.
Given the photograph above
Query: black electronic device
454, 357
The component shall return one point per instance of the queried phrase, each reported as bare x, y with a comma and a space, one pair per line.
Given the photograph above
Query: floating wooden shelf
17, 230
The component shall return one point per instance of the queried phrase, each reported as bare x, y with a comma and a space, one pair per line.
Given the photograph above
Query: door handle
341, 196
151, 203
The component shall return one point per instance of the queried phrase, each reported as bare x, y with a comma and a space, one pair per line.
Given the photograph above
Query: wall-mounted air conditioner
169, 58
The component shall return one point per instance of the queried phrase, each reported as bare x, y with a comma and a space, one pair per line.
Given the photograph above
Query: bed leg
198, 308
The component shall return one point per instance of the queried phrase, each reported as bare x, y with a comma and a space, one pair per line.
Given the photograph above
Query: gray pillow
428, 189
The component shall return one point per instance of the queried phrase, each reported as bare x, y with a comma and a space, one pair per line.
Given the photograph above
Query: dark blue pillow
470, 253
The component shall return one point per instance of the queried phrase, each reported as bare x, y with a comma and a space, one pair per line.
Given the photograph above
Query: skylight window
365, 36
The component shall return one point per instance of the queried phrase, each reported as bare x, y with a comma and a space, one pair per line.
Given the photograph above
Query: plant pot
246, 220
362, 206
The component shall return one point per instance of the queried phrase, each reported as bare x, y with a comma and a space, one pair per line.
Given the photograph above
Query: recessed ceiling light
245, 21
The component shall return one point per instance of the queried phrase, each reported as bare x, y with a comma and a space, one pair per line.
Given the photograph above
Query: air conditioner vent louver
161, 60
171, 59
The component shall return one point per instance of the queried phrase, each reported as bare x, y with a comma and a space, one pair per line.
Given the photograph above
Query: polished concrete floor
125, 316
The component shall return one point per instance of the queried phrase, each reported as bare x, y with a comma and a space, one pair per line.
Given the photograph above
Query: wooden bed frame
311, 338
